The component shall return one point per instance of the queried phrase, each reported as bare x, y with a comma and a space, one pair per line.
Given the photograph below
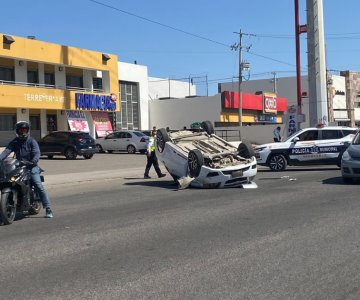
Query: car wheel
88, 156
208, 127
195, 162
161, 138
131, 149
110, 151
347, 180
70, 153
50, 156
277, 162
246, 150
99, 149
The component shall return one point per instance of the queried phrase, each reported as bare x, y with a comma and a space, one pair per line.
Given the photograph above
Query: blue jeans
35, 176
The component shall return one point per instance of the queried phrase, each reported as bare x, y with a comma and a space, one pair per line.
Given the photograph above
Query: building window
33, 76
7, 122
49, 78
74, 81
128, 118
34, 122
97, 84
7, 74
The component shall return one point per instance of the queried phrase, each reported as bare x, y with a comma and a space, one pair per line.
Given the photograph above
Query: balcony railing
50, 86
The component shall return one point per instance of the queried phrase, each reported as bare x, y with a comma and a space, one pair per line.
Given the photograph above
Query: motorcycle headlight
346, 156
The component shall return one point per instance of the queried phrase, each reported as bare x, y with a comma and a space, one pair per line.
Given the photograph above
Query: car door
110, 142
330, 145
53, 143
304, 149
124, 140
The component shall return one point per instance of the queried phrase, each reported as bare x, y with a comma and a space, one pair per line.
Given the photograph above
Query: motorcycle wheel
35, 208
7, 207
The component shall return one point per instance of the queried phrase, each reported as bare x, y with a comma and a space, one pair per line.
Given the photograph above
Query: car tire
50, 156
277, 162
161, 138
208, 127
70, 153
131, 149
246, 150
195, 162
88, 156
99, 148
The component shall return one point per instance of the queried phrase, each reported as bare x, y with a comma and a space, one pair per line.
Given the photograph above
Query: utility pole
242, 66
274, 82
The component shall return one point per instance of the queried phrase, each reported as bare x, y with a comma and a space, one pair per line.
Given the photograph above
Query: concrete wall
160, 88
177, 113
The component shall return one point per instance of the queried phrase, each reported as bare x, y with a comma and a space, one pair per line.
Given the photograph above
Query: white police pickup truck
323, 145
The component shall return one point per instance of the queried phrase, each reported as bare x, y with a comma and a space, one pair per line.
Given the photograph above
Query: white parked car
324, 145
205, 158
350, 161
130, 141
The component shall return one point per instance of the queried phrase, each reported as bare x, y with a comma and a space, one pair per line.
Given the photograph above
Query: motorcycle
18, 193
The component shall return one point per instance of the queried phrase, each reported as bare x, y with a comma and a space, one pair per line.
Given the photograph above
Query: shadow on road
338, 181
170, 185
296, 169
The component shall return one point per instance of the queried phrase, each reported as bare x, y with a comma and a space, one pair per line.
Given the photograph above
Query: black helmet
22, 130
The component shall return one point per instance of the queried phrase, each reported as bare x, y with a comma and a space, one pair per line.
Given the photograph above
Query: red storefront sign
270, 103
102, 123
230, 100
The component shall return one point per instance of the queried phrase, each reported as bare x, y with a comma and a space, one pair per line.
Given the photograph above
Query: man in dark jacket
26, 148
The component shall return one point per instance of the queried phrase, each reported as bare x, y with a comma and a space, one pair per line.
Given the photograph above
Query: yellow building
41, 82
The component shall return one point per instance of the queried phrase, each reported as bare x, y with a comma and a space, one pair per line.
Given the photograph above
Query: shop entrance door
51, 121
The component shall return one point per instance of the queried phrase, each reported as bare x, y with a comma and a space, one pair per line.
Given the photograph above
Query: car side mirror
346, 144
295, 139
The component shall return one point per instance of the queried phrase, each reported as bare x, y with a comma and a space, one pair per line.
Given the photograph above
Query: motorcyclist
26, 148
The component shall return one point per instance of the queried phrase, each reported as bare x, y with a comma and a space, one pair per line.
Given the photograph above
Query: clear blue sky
178, 39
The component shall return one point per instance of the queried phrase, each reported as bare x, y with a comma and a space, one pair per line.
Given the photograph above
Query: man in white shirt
277, 136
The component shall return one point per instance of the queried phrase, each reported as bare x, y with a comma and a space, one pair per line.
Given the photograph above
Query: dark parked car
68, 143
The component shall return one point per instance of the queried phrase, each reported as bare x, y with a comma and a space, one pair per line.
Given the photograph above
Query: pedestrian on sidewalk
277, 136
151, 157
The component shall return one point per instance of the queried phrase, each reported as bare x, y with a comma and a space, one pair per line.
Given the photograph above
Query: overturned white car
202, 159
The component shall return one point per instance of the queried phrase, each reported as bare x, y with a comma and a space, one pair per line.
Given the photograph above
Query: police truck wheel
161, 138
246, 150
7, 207
195, 162
277, 162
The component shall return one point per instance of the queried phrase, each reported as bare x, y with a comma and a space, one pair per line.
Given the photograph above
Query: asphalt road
123, 237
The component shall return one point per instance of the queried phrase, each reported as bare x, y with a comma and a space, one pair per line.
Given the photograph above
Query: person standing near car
277, 136
151, 157
26, 148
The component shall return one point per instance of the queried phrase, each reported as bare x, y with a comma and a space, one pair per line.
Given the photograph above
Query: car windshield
356, 140
294, 134
138, 133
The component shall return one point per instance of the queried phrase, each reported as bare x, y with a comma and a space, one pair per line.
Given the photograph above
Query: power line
158, 23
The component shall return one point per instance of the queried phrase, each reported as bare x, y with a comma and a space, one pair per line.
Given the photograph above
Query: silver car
131, 141
350, 161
